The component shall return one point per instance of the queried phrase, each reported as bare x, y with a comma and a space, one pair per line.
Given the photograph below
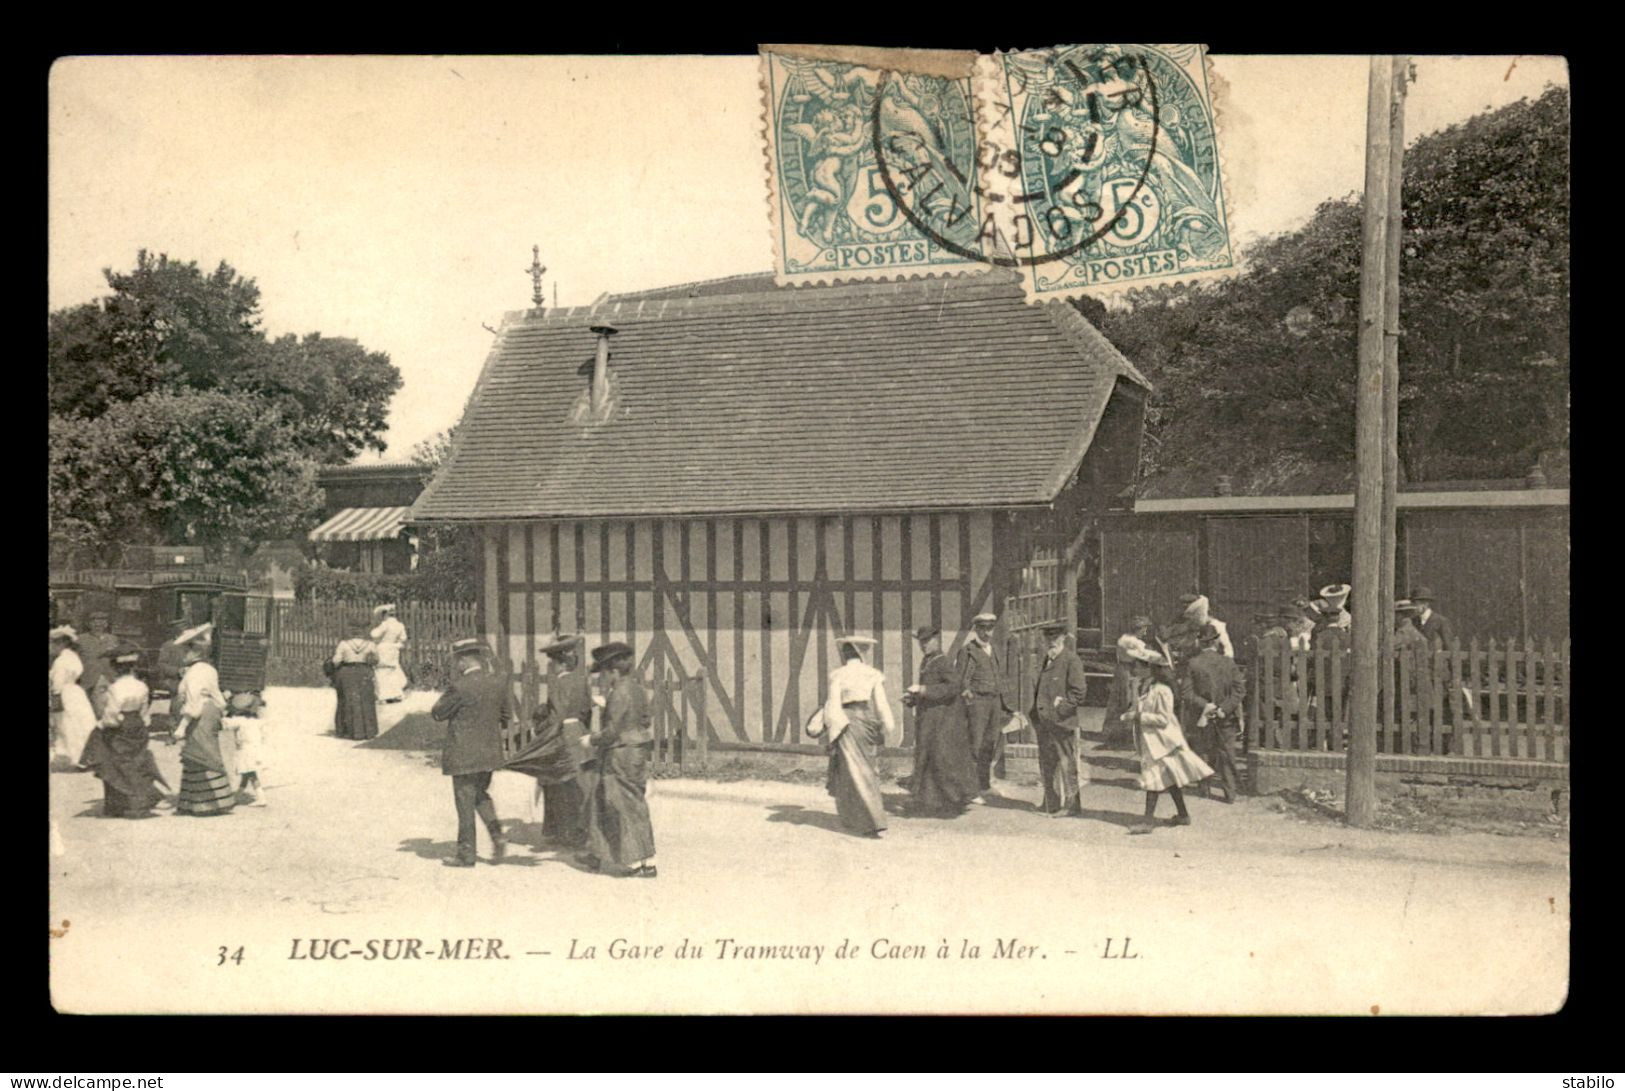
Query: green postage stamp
871, 162
1088, 169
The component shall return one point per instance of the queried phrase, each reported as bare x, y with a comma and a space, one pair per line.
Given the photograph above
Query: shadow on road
416, 731
797, 815
426, 849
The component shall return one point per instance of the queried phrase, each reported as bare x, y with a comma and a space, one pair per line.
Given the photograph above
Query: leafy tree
197, 467
1257, 373
448, 553
168, 326
174, 417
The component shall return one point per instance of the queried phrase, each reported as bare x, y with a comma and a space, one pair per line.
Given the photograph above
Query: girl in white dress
72, 718
1167, 763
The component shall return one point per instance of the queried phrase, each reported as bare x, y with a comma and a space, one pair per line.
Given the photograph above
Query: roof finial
536, 270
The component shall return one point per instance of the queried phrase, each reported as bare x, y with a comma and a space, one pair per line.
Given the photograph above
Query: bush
431, 582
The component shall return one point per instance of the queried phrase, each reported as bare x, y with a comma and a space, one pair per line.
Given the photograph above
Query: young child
244, 718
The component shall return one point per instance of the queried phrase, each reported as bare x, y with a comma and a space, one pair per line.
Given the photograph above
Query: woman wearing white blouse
355, 715
856, 723
206, 759
71, 715
390, 636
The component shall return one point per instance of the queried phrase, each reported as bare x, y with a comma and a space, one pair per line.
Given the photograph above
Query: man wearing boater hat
988, 700
477, 709
1061, 690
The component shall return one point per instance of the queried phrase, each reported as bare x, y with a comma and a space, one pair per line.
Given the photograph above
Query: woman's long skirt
356, 716
391, 679
1166, 759
617, 812
553, 757
206, 783
944, 771
73, 724
853, 780
121, 758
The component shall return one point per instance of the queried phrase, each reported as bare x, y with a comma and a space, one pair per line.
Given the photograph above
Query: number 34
226, 955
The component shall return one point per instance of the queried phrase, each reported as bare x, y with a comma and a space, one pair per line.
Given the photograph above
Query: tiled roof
912, 395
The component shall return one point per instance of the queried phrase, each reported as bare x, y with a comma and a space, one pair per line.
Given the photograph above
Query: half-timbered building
730, 475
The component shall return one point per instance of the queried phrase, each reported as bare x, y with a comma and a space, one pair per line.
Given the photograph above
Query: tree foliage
1257, 373
204, 467
175, 418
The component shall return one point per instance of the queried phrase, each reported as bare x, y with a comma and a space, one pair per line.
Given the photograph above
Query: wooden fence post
702, 721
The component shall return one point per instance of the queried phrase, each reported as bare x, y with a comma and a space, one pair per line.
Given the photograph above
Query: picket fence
677, 717
1496, 701
307, 632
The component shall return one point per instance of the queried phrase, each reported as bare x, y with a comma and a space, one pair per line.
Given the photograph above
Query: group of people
365, 670
107, 729
590, 754
964, 706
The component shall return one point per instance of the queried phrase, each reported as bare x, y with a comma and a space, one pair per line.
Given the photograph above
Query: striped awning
362, 525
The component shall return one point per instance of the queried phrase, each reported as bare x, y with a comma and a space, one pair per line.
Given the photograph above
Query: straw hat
1335, 594
65, 632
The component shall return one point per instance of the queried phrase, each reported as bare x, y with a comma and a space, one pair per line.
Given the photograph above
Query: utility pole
1390, 384
1368, 623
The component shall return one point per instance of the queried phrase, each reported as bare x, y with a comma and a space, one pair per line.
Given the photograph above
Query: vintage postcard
505, 558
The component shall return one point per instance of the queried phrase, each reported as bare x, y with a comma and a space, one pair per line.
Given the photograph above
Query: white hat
989, 619
198, 632
386, 608
64, 632
1335, 594
857, 641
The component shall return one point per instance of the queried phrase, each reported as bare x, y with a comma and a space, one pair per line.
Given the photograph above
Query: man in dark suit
988, 701
1438, 630
477, 708
1061, 690
1211, 689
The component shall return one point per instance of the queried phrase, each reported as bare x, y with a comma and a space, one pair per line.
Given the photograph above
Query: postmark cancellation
1089, 169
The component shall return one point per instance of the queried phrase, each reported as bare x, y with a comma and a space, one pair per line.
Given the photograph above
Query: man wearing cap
477, 708
988, 700
619, 831
554, 755
1062, 688
944, 778
1211, 690
1438, 630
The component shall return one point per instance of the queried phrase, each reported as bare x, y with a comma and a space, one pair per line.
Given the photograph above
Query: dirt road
1001, 909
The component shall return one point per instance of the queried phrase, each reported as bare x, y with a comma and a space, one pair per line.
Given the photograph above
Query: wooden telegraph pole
1390, 385
1361, 806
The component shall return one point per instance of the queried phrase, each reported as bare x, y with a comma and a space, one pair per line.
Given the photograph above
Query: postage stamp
1101, 168
871, 162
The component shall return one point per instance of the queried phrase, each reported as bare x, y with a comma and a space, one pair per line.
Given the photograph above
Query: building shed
730, 475
364, 512
1495, 555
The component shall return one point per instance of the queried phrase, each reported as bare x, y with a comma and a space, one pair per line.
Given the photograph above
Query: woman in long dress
1167, 762
857, 723
117, 752
1124, 692
944, 779
390, 636
72, 719
619, 830
207, 756
356, 715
